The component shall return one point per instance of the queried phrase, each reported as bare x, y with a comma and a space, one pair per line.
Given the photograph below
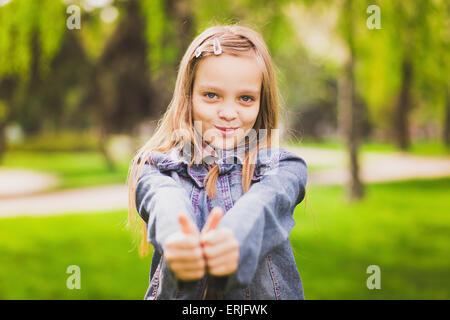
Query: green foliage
215, 12
409, 30
3, 111
160, 36
95, 33
269, 18
65, 141
378, 67
433, 63
20, 22
32, 32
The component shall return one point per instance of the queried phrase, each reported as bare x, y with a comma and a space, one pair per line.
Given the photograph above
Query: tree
404, 66
434, 66
120, 93
30, 34
349, 110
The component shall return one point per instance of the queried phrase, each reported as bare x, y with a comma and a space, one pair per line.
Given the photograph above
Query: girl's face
226, 98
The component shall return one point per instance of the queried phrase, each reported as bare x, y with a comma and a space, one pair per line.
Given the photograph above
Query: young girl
216, 195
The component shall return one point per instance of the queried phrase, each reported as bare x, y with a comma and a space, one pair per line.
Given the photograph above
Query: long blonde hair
235, 40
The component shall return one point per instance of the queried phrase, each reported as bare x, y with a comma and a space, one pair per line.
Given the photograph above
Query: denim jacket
261, 220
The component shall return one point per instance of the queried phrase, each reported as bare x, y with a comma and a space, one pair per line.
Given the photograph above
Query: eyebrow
213, 88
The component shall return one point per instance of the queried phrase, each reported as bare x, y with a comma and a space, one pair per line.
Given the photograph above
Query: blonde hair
178, 118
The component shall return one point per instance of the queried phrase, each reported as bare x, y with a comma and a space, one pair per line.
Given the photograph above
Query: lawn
418, 148
36, 251
402, 227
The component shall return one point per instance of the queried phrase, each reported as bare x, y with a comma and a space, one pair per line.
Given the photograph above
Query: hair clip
217, 47
198, 52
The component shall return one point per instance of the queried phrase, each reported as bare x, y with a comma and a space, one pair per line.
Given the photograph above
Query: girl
216, 195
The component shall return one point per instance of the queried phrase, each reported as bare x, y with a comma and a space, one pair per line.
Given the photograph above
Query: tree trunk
400, 125
103, 143
7, 88
446, 131
349, 122
349, 110
2, 141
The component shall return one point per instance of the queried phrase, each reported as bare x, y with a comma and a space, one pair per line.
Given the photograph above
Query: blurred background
366, 102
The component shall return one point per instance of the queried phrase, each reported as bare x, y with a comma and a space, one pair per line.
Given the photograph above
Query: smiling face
226, 98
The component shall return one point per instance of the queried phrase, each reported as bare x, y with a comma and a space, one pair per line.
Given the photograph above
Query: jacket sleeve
262, 218
159, 198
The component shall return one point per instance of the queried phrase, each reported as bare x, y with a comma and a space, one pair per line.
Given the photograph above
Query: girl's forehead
230, 70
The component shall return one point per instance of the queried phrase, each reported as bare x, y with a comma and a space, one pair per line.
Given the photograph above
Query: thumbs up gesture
220, 246
183, 251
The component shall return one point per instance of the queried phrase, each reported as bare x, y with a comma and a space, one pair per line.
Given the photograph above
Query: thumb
187, 225
213, 219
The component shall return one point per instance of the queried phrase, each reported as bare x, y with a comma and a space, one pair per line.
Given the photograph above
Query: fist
183, 251
220, 246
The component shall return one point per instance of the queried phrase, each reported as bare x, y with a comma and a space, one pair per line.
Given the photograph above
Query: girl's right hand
183, 251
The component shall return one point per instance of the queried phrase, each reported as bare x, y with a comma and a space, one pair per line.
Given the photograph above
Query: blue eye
247, 98
210, 95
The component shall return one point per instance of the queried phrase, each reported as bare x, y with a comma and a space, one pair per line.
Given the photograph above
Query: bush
58, 141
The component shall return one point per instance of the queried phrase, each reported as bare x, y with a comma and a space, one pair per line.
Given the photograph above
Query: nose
227, 113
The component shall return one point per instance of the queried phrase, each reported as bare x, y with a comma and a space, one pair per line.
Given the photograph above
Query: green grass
402, 227
418, 148
35, 254
75, 169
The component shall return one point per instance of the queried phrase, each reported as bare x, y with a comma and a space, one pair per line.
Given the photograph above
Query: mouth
226, 131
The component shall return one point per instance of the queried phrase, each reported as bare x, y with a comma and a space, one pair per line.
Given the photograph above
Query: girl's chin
224, 143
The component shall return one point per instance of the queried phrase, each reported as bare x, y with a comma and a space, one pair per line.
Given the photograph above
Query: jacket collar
211, 155
225, 159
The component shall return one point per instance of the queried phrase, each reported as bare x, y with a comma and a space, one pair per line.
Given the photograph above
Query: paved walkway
86, 200
23, 182
375, 167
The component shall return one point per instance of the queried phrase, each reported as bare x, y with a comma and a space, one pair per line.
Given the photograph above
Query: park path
16, 182
375, 167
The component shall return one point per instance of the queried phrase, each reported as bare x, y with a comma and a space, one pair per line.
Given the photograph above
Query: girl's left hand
220, 246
